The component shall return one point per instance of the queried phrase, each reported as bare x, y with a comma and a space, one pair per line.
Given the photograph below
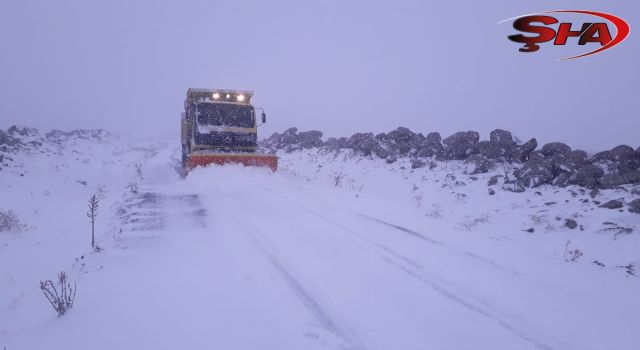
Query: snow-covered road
240, 258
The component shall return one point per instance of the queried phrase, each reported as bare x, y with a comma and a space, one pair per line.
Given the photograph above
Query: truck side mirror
264, 117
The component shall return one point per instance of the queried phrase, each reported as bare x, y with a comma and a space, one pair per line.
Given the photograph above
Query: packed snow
332, 251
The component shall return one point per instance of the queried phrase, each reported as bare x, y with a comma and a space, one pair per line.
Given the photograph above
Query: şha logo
587, 32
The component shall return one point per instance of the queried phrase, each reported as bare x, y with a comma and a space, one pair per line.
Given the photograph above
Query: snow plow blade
246, 159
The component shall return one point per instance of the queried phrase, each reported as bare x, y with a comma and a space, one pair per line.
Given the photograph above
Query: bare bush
61, 300
9, 221
538, 219
139, 171
92, 214
571, 255
470, 222
337, 179
435, 213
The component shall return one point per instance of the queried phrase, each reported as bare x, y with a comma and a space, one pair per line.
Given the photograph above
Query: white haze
336, 66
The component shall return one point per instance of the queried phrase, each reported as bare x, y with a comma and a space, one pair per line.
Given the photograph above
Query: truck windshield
219, 114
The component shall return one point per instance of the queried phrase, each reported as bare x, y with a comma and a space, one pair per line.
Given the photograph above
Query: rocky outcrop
535, 172
554, 164
613, 204
586, 175
431, 146
499, 146
310, 139
363, 143
522, 152
634, 206
554, 148
460, 145
477, 163
7, 140
291, 140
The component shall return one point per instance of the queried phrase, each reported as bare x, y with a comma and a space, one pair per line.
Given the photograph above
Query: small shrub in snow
571, 255
139, 171
435, 212
337, 179
538, 219
417, 197
61, 300
9, 221
570, 223
92, 214
470, 222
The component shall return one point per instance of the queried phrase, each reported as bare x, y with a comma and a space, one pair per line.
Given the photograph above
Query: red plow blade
246, 159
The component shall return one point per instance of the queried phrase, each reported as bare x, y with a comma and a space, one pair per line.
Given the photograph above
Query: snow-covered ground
333, 251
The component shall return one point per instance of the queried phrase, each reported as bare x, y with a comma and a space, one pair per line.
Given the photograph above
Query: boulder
489, 150
499, 145
535, 172
600, 156
585, 172
391, 158
310, 139
612, 204
18, 131
7, 139
335, 144
502, 138
290, 140
289, 137
331, 143
554, 148
417, 163
622, 152
568, 162
562, 180
634, 206
404, 140
610, 181
632, 177
627, 166
362, 143
477, 163
460, 145
590, 183
620, 159
570, 223
522, 152
380, 152
432, 146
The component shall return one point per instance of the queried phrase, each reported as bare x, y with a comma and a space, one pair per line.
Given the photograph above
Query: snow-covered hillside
335, 250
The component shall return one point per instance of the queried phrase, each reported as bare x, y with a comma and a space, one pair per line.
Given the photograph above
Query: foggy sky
336, 66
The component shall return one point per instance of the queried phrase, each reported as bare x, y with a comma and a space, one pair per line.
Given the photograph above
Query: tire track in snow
306, 298
441, 244
414, 270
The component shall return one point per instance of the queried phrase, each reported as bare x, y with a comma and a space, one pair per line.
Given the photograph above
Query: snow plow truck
220, 127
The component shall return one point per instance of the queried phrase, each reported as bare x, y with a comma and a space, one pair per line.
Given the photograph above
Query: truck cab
219, 121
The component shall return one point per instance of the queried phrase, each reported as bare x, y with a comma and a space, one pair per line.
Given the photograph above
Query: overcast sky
336, 66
